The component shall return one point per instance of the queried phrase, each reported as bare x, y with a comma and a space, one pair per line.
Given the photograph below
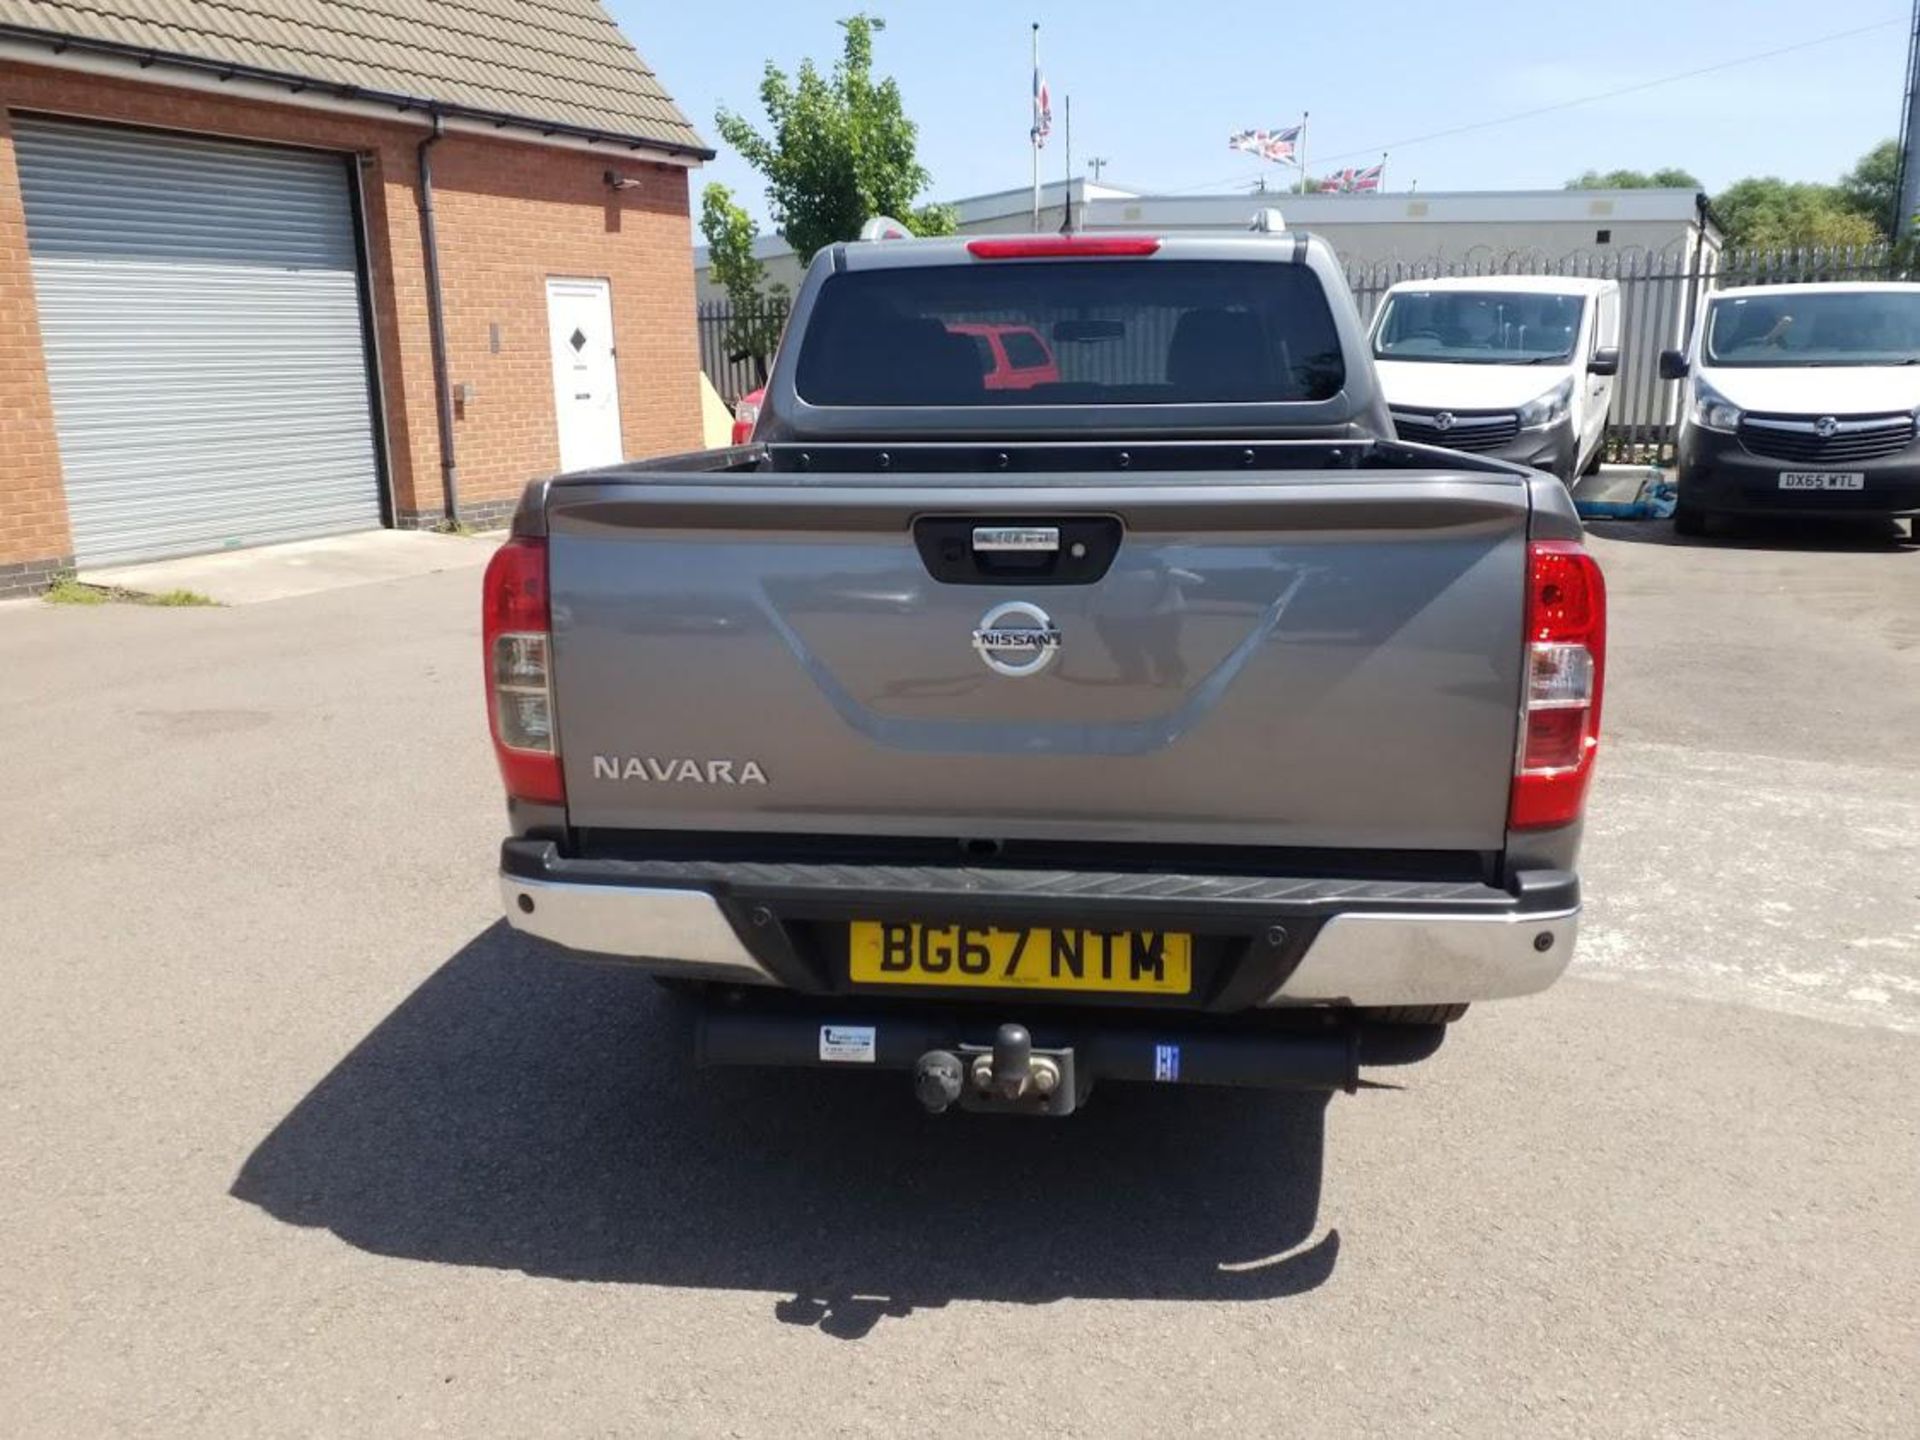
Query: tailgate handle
1016, 537
1017, 549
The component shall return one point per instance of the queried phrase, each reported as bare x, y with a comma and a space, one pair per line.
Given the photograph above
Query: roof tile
559, 61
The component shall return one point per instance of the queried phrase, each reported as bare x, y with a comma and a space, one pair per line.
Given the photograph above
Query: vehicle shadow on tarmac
526, 1112
1761, 532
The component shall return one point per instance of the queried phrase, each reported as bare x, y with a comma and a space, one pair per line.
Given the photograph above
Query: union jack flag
1042, 110
1267, 144
1350, 181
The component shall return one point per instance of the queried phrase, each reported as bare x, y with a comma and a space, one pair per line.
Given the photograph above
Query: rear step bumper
1291, 940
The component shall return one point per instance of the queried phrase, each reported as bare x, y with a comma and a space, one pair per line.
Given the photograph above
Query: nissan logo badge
1016, 639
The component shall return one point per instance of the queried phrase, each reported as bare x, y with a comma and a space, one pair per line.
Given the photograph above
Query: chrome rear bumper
1364, 958
676, 931
1431, 959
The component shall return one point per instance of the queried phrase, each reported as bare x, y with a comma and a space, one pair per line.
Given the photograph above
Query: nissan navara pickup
1166, 720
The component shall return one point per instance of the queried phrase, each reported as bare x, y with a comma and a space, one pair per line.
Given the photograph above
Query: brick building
279, 268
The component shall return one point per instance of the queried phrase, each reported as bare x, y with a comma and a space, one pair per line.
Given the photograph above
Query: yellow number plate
1151, 962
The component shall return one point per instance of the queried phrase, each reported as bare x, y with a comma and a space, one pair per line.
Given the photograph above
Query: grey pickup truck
1146, 713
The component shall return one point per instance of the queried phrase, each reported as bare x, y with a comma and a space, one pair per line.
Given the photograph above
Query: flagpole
1033, 135
1382, 187
1305, 182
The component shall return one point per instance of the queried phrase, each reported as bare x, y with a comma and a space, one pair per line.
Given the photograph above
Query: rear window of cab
1087, 332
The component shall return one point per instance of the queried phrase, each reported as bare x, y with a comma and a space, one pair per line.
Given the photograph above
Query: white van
1518, 366
1800, 400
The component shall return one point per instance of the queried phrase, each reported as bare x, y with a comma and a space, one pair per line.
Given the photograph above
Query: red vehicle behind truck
1012, 357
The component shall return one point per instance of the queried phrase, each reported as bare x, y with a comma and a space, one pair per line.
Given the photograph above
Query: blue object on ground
1654, 500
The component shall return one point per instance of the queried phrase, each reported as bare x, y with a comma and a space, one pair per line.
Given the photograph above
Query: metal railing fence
1660, 293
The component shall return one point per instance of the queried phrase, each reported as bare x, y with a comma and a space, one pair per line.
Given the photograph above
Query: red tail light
1059, 247
518, 637
746, 414
1566, 663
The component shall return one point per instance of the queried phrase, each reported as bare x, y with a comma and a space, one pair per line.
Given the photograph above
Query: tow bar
1005, 1068
1007, 1076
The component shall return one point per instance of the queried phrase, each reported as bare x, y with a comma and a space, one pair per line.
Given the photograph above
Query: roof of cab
910, 250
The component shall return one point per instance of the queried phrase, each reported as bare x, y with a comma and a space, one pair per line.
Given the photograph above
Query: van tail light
746, 414
1566, 664
517, 633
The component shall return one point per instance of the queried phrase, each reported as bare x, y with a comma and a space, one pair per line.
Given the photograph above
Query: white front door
586, 390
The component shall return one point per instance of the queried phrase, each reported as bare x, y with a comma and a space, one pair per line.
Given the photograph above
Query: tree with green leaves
1671, 178
1871, 188
758, 310
838, 149
1765, 212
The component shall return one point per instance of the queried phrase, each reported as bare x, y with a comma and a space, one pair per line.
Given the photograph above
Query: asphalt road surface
295, 1137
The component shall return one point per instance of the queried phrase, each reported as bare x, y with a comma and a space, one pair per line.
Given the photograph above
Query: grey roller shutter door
200, 310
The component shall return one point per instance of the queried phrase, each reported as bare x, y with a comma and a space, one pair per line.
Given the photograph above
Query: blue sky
1157, 87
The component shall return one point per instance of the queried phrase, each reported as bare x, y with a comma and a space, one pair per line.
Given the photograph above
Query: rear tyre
1688, 519
1592, 467
1416, 1014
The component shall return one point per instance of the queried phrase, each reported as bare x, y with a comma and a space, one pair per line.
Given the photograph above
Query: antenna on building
1066, 178
1097, 163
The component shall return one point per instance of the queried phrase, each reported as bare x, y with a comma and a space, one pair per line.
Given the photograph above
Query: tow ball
1009, 1076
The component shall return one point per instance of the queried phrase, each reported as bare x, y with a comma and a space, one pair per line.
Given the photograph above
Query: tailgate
1289, 660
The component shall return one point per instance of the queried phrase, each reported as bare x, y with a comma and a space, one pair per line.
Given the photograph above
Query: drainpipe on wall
437, 328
